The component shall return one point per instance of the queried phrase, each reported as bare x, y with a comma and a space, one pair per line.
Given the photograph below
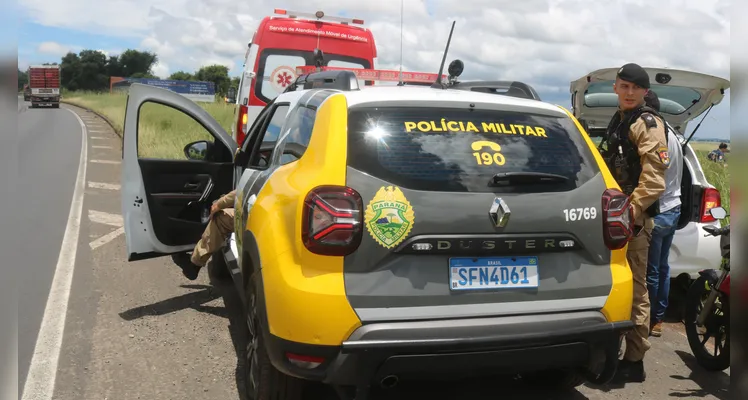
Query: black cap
652, 100
635, 74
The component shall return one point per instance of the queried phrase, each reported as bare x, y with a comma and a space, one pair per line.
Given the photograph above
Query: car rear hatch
684, 95
434, 208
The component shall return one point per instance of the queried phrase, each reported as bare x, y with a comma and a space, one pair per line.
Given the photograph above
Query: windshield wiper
514, 178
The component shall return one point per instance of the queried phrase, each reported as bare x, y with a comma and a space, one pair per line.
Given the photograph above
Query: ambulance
287, 40
283, 48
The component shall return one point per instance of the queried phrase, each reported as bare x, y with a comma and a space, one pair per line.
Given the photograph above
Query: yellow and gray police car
385, 233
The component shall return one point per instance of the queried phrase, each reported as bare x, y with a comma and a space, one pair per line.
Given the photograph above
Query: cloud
53, 48
546, 43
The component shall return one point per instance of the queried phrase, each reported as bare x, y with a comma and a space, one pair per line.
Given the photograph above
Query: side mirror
199, 151
718, 212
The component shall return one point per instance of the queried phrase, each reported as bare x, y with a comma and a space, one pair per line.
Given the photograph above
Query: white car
684, 95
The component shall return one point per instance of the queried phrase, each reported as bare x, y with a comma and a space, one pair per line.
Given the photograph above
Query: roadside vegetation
164, 132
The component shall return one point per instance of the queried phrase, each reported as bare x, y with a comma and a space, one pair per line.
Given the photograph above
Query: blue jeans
658, 268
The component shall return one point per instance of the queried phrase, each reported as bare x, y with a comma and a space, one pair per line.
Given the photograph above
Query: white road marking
104, 162
40, 381
101, 217
97, 137
102, 185
102, 147
106, 238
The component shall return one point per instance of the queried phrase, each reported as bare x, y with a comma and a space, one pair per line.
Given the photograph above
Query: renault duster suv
387, 233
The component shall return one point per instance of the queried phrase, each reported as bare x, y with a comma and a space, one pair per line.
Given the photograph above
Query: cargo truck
44, 81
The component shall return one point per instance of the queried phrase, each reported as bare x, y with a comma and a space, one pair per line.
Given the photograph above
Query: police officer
637, 156
219, 227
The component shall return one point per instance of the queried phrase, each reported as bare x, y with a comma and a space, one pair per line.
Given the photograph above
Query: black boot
629, 371
184, 261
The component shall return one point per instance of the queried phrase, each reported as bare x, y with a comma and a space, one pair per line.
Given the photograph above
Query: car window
301, 124
673, 100
278, 72
448, 149
263, 153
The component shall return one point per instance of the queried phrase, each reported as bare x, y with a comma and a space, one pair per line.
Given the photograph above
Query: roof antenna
438, 83
401, 83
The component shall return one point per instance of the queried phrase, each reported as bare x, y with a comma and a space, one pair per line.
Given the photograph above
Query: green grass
162, 131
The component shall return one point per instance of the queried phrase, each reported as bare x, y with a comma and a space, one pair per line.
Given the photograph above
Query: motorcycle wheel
717, 326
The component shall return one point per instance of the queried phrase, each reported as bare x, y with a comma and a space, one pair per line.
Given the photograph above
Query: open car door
170, 179
684, 95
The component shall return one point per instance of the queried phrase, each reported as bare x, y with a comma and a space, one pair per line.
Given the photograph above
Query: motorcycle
708, 305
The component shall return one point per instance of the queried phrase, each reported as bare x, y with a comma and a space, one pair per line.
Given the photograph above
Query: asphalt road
49, 144
142, 331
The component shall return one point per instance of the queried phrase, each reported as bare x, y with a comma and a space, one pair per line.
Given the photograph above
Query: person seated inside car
220, 226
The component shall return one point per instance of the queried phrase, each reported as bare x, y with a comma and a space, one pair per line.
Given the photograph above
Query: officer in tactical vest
636, 152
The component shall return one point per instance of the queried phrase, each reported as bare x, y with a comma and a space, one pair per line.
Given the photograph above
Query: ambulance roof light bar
377, 75
319, 15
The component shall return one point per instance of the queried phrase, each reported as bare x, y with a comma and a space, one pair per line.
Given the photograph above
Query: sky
545, 43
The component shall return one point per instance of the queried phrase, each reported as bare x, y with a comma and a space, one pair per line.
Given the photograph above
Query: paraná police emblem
389, 216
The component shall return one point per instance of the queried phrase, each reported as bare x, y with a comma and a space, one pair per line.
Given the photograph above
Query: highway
49, 146
142, 331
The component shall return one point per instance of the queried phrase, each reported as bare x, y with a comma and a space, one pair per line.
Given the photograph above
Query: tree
22, 78
218, 74
182, 76
132, 62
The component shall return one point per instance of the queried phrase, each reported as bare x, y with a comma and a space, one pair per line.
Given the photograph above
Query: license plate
467, 273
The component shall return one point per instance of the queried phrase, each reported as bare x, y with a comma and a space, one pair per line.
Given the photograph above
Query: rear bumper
459, 348
45, 99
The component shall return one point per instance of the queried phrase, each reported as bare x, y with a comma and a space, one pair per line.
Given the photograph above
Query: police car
684, 96
398, 232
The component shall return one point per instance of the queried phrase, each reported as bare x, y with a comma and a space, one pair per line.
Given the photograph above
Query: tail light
304, 361
241, 125
709, 200
332, 220
618, 219
725, 286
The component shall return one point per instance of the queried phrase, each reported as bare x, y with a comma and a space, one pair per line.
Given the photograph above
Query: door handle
191, 186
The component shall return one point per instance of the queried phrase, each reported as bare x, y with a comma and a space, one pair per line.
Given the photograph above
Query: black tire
217, 267
696, 294
271, 383
556, 379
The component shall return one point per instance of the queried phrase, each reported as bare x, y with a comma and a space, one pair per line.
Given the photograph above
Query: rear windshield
673, 99
458, 150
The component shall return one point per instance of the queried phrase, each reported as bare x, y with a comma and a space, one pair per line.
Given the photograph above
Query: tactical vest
621, 154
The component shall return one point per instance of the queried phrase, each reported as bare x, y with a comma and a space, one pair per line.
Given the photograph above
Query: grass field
163, 132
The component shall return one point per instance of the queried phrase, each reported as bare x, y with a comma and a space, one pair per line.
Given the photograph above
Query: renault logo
499, 212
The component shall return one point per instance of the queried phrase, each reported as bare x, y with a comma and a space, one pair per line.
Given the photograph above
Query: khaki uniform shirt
653, 152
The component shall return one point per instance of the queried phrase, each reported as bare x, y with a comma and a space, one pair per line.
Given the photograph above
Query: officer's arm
652, 147
227, 201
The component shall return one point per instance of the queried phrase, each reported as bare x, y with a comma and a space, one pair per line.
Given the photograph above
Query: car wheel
263, 380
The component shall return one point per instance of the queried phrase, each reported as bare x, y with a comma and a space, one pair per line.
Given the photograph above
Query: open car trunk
683, 95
